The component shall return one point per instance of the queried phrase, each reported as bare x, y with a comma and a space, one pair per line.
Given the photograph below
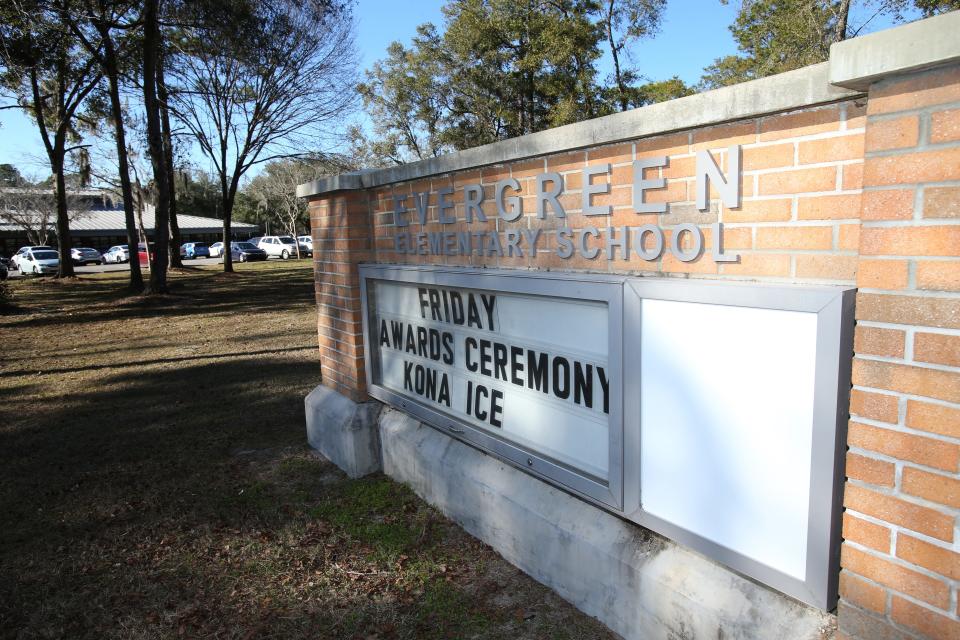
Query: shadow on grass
149, 361
200, 293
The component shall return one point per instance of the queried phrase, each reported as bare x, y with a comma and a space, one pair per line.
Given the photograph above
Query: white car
15, 260
306, 245
116, 254
39, 262
280, 246
216, 249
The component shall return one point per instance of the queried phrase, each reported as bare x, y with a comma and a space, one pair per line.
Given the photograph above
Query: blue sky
693, 34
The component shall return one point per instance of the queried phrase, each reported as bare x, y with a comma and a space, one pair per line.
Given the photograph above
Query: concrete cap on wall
857, 63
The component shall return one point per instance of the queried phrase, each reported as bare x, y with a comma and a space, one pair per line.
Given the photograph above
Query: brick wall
799, 219
900, 561
864, 191
341, 240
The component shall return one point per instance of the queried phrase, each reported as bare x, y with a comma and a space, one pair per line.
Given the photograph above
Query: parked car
5, 261
15, 260
142, 254
39, 262
306, 245
255, 241
85, 255
194, 250
116, 254
246, 252
216, 250
280, 246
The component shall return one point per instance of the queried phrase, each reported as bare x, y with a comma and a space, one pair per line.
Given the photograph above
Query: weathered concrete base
636, 582
344, 431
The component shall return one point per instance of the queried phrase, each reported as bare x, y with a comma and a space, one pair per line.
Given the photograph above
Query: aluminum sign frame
612, 493
621, 495
834, 308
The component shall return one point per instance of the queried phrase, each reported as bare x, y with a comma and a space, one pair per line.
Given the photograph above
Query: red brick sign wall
864, 191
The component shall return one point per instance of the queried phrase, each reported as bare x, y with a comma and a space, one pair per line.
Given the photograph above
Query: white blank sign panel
727, 425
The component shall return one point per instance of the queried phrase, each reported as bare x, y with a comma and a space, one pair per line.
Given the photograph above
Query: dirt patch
155, 483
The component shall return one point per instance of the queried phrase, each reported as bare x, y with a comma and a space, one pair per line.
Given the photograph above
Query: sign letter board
713, 413
525, 366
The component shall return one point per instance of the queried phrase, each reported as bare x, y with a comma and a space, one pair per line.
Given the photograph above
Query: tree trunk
163, 95
151, 38
621, 89
63, 219
116, 109
227, 214
843, 14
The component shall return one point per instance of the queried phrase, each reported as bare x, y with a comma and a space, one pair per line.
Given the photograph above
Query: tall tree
163, 97
106, 29
623, 22
406, 99
158, 158
273, 193
258, 81
519, 67
50, 74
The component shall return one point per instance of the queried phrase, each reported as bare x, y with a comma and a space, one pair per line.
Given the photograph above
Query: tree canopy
774, 36
502, 68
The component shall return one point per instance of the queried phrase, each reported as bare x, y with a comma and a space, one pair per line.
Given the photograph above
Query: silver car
280, 246
85, 255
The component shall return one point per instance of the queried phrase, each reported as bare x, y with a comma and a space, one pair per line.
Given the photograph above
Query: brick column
900, 566
340, 224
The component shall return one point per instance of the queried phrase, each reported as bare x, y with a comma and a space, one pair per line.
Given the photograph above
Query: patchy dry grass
154, 482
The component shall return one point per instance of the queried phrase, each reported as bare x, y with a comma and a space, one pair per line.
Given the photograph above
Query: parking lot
108, 268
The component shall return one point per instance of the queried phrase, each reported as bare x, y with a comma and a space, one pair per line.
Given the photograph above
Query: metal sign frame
621, 494
610, 493
834, 339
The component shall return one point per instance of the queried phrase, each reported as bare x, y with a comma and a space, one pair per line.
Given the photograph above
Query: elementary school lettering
647, 241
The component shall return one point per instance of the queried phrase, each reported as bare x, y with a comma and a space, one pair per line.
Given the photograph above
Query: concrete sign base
344, 431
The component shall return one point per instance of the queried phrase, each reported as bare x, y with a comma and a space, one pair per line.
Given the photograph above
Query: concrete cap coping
859, 62
781, 92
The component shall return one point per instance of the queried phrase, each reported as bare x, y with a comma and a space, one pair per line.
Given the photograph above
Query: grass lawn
155, 482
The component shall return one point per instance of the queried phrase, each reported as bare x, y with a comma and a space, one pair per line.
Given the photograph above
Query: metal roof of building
113, 221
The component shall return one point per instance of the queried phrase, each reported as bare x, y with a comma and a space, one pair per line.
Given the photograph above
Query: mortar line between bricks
882, 457
912, 258
932, 366
902, 186
912, 396
912, 224
952, 615
897, 529
920, 148
893, 115
896, 491
901, 428
914, 293
904, 564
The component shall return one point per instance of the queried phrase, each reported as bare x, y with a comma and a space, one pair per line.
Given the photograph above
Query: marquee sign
490, 359
713, 413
